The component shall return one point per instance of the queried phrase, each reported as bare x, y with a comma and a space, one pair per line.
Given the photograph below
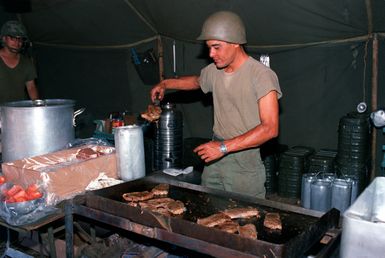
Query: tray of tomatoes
19, 199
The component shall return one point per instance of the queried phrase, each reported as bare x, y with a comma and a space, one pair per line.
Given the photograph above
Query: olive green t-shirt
12, 80
236, 95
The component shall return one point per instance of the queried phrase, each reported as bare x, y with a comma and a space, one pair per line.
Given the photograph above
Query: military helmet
225, 26
13, 28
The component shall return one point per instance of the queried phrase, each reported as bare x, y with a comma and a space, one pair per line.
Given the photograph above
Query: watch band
223, 148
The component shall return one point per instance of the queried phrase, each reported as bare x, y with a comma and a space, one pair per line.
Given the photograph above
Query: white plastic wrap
26, 212
65, 173
129, 152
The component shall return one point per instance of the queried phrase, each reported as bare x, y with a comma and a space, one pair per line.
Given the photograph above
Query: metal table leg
69, 230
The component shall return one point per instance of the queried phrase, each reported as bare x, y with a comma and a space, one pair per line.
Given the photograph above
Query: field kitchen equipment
364, 223
168, 144
31, 128
301, 228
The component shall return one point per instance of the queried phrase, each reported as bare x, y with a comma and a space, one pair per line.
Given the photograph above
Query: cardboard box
65, 173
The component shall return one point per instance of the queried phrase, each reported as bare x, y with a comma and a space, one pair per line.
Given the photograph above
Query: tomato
14, 189
2, 180
34, 195
32, 188
20, 194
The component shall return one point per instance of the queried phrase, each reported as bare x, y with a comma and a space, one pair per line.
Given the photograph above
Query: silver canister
321, 191
354, 183
341, 193
307, 179
328, 176
129, 147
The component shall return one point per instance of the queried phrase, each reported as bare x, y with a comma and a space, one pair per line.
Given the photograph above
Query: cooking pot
31, 128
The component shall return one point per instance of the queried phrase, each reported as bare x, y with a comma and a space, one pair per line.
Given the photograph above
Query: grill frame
102, 206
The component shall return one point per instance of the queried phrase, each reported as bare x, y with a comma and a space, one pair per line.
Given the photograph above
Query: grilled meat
272, 221
248, 231
161, 190
214, 220
152, 114
155, 203
238, 213
138, 196
176, 207
228, 226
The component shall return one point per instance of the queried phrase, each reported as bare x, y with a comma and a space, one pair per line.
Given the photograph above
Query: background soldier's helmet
224, 26
14, 29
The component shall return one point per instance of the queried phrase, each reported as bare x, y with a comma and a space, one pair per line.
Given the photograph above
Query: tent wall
82, 51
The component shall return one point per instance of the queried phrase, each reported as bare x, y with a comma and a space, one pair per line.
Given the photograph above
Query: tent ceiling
268, 23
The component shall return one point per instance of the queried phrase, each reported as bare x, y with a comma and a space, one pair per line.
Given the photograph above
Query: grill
301, 228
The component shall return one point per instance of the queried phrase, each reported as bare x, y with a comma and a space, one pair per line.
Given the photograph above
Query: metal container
341, 194
31, 128
168, 147
354, 183
307, 179
129, 146
321, 191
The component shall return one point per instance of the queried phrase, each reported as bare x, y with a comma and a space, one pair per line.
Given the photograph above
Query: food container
307, 180
341, 192
362, 234
321, 191
31, 128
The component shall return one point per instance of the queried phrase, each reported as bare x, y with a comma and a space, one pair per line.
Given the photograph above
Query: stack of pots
271, 184
168, 144
354, 147
293, 163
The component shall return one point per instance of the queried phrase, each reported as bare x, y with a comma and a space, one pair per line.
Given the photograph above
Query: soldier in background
17, 71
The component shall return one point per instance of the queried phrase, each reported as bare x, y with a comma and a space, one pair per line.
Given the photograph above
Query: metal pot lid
40, 103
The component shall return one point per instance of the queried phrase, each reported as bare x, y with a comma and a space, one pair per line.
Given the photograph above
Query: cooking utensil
31, 128
301, 228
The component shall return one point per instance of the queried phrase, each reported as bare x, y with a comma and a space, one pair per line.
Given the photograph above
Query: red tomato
2, 180
14, 189
20, 194
32, 188
34, 195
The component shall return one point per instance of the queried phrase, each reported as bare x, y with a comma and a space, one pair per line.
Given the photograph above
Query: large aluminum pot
31, 128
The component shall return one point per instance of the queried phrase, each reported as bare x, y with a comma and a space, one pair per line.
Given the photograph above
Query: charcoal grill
301, 228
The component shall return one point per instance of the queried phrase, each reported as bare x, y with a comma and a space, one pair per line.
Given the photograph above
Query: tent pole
160, 59
374, 103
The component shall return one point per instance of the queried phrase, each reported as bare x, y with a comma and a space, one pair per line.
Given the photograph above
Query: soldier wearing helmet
17, 72
245, 97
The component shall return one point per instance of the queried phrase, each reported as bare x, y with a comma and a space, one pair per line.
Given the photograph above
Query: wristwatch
223, 148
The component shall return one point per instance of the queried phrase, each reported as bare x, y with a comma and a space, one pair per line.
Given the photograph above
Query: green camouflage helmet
225, 26
14, 29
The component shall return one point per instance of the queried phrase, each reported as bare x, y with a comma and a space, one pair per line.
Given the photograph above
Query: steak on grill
238, 213
155, 203
272, 221
138, 196
214, 220
228, 226
248, 231
176, 207
161, 190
